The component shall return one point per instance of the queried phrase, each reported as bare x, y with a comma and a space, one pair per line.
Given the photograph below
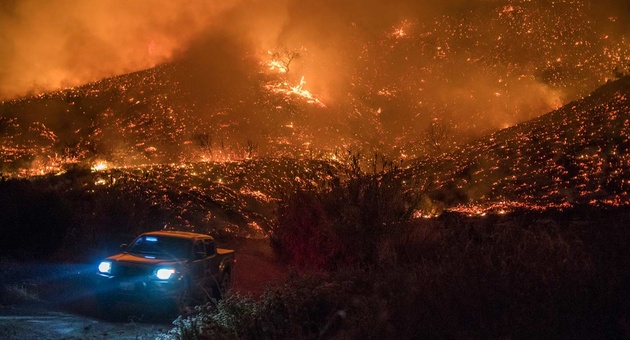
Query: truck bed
223, 251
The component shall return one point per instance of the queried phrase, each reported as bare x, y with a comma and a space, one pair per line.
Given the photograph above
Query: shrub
304, 234
343, 223
300, 308
13, 294
34, 221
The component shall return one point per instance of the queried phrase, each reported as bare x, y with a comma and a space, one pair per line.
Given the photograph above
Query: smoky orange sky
46, 45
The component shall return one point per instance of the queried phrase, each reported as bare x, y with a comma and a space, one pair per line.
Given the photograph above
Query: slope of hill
374, 89
578, 154
170, 114
124, 113
575, 155
230, 197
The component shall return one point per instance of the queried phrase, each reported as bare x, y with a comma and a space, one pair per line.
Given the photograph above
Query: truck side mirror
200, 255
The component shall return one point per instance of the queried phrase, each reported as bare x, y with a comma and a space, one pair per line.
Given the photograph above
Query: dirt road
43, 322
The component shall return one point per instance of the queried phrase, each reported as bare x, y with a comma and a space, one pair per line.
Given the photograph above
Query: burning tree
281, 61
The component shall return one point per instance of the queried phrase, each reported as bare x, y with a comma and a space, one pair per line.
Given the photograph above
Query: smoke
47, 45
479, 65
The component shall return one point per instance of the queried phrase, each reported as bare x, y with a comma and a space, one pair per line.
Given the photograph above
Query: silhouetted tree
285, 58
436, 137
251, 148
203, 140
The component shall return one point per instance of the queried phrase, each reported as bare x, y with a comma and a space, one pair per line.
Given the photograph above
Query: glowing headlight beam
105, 267
164, 273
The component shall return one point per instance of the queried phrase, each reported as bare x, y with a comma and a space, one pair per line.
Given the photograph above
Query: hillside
578, 154
369, 89
167, 114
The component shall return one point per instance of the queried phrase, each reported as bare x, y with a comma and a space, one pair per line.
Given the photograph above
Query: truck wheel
185, 299
226, 284
222, 288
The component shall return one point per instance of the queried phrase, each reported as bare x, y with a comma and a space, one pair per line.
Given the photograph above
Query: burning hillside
406, 89
151, 117
578, 154
280, 81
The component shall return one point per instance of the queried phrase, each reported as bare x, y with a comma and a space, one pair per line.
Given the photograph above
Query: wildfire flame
276, 65
297, 90
100, 166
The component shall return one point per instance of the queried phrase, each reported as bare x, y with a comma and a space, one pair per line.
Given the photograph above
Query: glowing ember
401, 31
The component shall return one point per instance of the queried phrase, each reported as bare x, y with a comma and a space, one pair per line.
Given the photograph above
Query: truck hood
142, 260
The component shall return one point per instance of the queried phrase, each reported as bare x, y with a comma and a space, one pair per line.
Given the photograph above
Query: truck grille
130, 270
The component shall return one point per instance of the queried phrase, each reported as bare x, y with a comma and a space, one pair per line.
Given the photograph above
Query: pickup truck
179, 268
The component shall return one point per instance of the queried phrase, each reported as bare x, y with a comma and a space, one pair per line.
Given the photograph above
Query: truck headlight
164, 273
105, 267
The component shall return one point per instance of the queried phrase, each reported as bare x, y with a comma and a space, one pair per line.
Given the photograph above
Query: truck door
213, 270
198, 267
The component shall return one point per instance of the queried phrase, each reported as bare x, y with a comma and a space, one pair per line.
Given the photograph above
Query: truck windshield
161, 247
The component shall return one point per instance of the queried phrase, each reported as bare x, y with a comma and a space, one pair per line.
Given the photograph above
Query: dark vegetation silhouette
557, 274
343, 223
69, 217
34, 223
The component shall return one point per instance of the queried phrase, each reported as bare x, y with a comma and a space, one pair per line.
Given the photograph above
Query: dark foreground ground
42, 321
55, 300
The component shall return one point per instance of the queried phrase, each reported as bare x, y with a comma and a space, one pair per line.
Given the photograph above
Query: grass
14, 294
16, 286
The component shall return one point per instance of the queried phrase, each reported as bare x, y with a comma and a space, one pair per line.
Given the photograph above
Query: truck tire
222, 288
185, 299
226, 284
